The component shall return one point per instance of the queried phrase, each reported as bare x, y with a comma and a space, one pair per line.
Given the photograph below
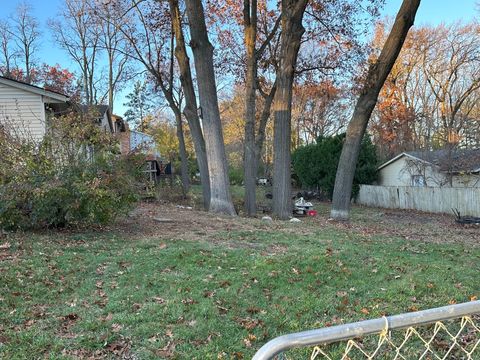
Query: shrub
315, 165
235, 175
75, 176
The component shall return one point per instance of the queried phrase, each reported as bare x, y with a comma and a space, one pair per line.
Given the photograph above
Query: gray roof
52, 96
99, 110
452, 161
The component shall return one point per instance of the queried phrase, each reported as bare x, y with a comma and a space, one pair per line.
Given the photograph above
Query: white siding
22, 112
105, 125
400, 172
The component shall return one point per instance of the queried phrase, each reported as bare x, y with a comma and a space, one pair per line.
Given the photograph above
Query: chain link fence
450, 332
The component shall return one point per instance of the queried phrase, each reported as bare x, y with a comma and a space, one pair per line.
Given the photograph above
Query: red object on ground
312, 212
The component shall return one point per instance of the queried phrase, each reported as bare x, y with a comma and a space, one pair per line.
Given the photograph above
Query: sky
431, 12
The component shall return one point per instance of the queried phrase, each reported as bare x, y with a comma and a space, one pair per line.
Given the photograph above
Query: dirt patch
193, 224
410, 225
167, 221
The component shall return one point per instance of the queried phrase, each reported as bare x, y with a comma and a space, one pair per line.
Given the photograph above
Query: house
101, 115
27, 109
133, 141
440, 168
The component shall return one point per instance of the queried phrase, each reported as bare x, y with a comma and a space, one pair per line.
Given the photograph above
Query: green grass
86, 295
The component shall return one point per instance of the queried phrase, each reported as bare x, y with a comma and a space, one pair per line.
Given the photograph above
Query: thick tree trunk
190, 110
220, 198
183, 154
376, 77
249, 158
292, 31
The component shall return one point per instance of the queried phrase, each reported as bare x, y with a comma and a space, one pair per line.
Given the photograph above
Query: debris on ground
162, 220
465, 219
302, 207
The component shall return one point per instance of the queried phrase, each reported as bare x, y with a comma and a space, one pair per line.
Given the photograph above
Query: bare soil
170, 221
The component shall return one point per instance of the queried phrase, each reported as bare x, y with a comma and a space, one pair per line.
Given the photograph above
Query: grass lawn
209, 287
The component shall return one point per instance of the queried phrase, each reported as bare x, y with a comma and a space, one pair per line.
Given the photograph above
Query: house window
418, 180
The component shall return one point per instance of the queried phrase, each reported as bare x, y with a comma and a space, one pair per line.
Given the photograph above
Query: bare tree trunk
190, 109
220, 198
292, 31
377, 74
267, 107
249, 158
183, 154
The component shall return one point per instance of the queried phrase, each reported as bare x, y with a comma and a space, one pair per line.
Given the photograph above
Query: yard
210, 287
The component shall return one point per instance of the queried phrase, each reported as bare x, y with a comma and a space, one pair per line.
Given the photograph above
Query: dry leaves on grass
120, 348
249, 323
159, 300
168, 351
116, 327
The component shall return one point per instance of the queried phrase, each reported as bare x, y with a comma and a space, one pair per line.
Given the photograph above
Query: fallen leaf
71, 317
118, 347
167, 351
29, 323
208, 294
158, 300
189, 301
116, 327
365, 311
238, 355
253, 310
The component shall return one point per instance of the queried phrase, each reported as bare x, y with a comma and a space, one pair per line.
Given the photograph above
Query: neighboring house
101, 114
440, 168
27, 109
132, 141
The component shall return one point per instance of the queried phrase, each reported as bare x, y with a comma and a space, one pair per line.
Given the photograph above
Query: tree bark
260, 139
249, 158
377, 74
220, 198
190, 109
183, 154
292, 31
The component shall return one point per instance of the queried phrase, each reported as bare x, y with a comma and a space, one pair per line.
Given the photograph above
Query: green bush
315, 165
235, 175
59, 183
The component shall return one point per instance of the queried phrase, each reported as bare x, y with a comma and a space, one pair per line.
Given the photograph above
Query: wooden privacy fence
430, 199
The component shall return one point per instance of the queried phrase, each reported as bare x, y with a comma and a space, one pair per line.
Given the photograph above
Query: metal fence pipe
363, 328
